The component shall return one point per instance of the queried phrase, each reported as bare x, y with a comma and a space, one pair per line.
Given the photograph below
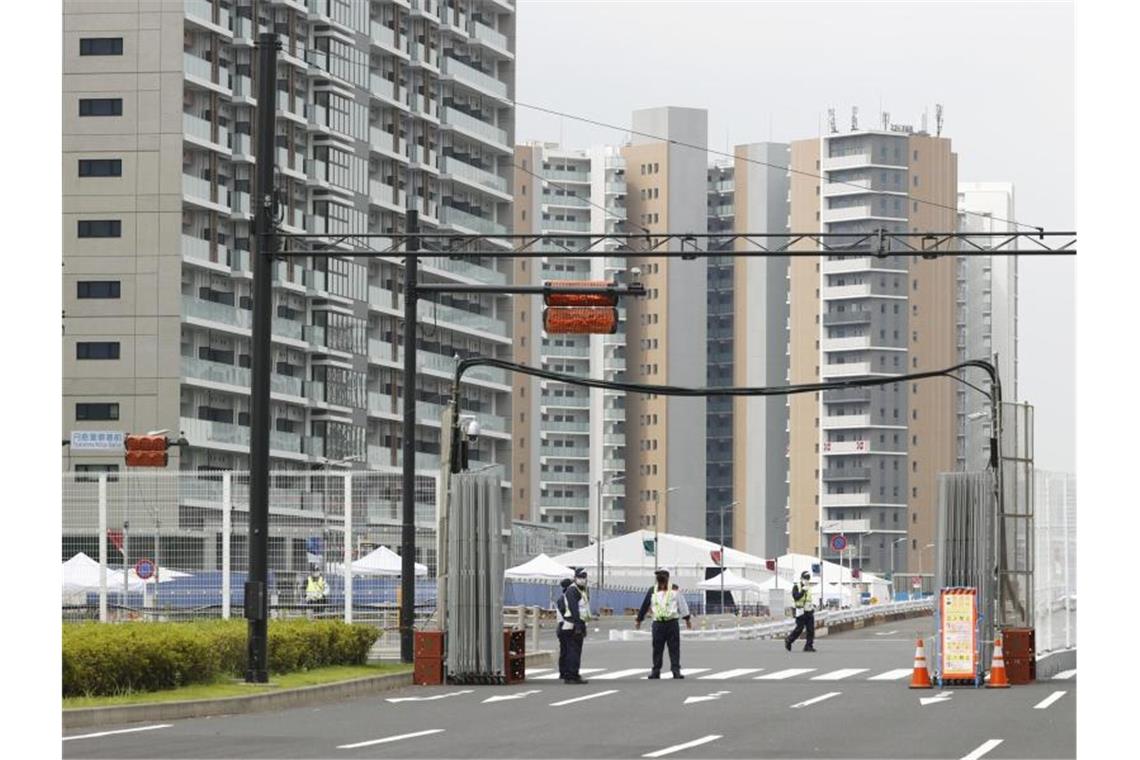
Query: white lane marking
1044, 704
684, 672
387, 739
1065, 675
724, 675
118, 731
686, 745
556, 676
531, 671
813, 700
886, 633
516, 695
892, 675
615, 674
983, 749
839, 675
940, 697
605, 693
431, 698
714, 696
780, 675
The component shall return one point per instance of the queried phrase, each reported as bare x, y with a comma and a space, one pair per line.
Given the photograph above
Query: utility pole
408, 490
256, 586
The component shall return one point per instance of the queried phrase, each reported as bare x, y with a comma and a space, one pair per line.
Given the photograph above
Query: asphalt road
740, 699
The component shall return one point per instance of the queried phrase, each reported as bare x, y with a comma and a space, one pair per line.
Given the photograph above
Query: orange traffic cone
921, 677
998, 679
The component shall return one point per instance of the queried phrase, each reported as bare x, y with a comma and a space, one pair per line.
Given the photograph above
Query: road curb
85, 717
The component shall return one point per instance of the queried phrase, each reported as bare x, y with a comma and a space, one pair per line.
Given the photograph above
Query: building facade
381, 107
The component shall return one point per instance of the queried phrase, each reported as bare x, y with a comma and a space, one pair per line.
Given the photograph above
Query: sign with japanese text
958, 609
97, 440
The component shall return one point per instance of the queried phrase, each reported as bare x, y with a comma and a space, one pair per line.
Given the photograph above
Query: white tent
165, 575
731, 581
382, 561
81, 575
541, 567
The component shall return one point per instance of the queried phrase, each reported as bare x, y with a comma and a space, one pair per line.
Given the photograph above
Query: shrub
106, 659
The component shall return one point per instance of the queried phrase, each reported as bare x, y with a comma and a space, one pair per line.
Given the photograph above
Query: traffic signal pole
408, 489
256, 586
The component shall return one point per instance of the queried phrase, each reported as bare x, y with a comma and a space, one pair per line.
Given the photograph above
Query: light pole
325, 507
894, 553
729, 506
601, 551
922, 584
656, 512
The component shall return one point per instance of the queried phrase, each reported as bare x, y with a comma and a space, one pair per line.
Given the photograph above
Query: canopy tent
165, 575
380, 561
731, 582
541, 567
81, 575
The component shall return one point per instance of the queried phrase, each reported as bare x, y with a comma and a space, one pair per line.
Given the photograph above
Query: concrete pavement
740, 699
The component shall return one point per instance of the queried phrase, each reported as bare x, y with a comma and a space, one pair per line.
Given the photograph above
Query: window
97, 350
97, 289
100, 228
100, 167
101, 46
86, 411
100, 106
916, 180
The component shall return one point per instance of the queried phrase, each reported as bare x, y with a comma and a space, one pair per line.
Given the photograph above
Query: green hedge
107, 659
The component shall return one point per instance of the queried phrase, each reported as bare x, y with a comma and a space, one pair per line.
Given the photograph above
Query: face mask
581, 582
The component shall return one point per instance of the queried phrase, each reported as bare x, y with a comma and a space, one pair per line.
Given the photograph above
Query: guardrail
824, 619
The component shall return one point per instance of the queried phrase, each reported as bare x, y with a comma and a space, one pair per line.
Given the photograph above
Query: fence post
226, 529
348, 547
534, 625
103, 548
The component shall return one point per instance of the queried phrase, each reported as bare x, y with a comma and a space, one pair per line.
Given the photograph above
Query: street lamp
894, 553
601, 550
656, 506
325, 507
922, 585
722, 509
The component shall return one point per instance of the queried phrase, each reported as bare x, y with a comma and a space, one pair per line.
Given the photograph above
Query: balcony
203, 10
614, 439
386, 195
197, 249
560, 351
568, 402
565, 201
859, 447
465, 269
847, 396
565, 175
229, 374
449, 215
564, 477
201, 69
476, 128
726, 209
841, 292
491, 37
613, 415
850, 369
423, 54
385, 37
576, 274
844, 421
845, 499
564, 452
563, 225
833, 474
429, 312
473, 174
206, 432
197, 308
386, 142
473, 78
854, 160
200, 129
565, 427
848, 187
847, 318
846, 344
616, 188
386, 88
581, 502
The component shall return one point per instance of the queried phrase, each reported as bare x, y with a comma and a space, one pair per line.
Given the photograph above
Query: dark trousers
562, 637
573, 654
806, 620
667, 632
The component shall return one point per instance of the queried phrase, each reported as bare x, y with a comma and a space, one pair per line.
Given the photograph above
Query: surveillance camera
471, 428
635, 271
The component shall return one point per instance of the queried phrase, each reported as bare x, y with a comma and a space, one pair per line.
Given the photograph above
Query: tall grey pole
656, 548
600, 481
256, 586
722, 559
408, 489
126, 557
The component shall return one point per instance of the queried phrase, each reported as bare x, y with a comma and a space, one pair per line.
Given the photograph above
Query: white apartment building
382, 106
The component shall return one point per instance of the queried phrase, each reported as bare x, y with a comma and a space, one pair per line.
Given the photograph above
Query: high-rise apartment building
382, 107
863, 462
569, 441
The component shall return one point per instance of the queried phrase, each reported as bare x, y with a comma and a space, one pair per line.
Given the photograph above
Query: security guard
315, 587
668, 605
574, 618
805, 613
562, 635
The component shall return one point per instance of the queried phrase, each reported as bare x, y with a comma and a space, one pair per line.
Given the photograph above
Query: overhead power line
757, 161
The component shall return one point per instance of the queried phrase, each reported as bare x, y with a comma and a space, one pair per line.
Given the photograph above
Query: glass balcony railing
465, 269
564, 451
383, 36
429, 311
457, 168
195, 126
200, 432
229, 374
199, 249
474, 126
217, 312
490, 36
474, 77
566, 175
478, 224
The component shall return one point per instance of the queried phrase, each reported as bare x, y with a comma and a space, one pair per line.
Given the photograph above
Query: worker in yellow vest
668, 607
805, 613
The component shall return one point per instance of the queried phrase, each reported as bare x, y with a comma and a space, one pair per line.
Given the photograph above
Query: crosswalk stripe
607, 692
615, 674
892, 675
556, 676
1064, 675
780, 675
838, 675
692, 671
724, 675
530, 671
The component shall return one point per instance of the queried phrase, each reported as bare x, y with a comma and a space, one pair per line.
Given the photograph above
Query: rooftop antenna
854, 118
924, 122
886, 122
831, 121
938, 118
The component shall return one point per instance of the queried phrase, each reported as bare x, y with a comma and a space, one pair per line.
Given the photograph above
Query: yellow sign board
958, 630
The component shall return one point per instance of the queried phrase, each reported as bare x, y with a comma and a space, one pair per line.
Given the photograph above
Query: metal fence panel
1055, 577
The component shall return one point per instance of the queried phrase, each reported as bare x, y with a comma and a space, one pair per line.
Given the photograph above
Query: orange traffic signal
146, 450
555, 298
580, 320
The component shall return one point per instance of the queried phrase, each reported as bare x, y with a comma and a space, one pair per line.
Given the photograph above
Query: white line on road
431, 698
516, 695
387, 739
886, 633
615, 674
780, 675
983, 749
605, 693
724, 675
684, 672
839, 675
892, 675
1044, 704
532, 671
1064, 675
556, 676
820, 698
686, 745
119, 731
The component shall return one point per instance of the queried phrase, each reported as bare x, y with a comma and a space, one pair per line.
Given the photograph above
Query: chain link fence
1055, 579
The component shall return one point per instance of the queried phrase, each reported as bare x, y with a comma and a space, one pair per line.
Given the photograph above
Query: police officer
562, 635
315, 587
805, 613
668, 605
574, 619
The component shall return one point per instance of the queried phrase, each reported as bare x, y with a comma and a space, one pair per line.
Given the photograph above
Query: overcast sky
1002, 71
